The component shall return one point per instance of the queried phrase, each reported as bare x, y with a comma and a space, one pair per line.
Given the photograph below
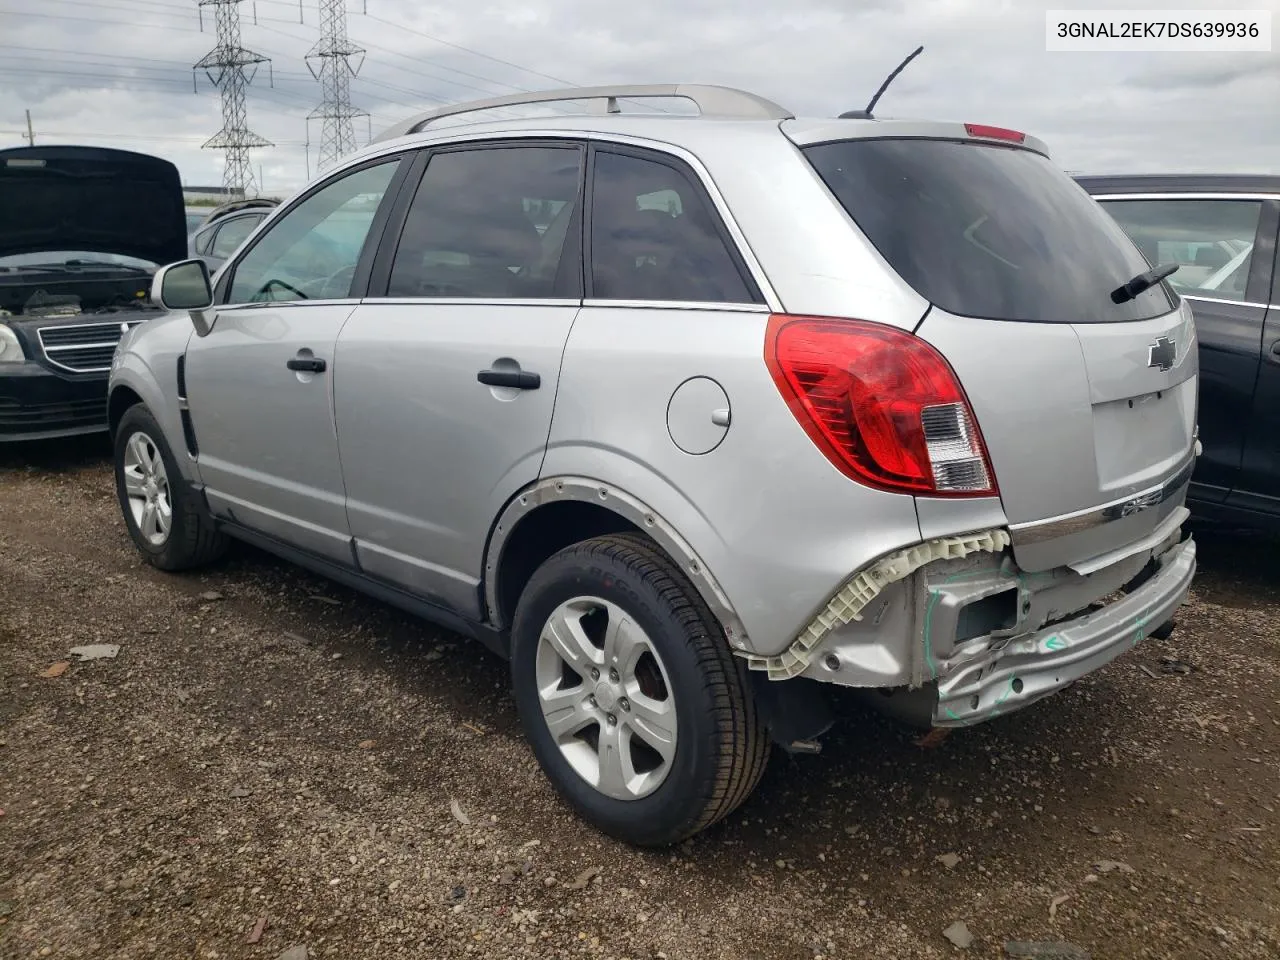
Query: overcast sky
118, 72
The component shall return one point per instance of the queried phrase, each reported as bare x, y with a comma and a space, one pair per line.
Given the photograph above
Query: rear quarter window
987, 231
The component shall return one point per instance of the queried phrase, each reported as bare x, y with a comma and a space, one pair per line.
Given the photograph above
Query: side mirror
185, 286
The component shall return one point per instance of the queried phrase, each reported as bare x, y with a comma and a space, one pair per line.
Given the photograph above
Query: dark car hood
93, 199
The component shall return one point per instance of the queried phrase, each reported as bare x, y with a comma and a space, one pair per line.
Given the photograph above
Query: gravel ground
268, 747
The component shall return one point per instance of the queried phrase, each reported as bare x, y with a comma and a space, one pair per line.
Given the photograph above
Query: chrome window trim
1186, 196
1233, 303
473, 301
713, 305
274, 304
1037, 531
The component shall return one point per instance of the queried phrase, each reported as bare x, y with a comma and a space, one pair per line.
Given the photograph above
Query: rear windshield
987, 231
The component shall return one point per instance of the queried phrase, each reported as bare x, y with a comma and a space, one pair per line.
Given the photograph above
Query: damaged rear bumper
1010, 674
955, 632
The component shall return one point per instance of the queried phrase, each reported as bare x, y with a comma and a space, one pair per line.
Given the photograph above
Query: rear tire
149, 486
662, 741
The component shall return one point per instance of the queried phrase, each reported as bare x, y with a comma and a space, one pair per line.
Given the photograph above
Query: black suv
1222, 231
82, 231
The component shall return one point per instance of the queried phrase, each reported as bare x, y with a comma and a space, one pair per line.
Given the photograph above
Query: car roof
1242, 183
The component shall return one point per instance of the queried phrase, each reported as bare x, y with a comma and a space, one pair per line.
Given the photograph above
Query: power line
458, 46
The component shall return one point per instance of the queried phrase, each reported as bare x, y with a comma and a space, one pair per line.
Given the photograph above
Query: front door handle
306, 364
520, 379
1275, 349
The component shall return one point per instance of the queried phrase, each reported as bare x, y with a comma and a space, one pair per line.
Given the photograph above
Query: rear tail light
883, 405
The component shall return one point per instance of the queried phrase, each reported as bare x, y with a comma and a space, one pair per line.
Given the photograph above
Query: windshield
988, 231
59, 257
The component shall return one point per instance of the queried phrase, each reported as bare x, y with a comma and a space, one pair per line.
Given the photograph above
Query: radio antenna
866, 114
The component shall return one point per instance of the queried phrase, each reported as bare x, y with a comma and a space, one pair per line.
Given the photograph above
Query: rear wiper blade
1142, 283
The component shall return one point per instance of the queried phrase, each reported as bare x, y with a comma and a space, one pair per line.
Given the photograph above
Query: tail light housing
884, 406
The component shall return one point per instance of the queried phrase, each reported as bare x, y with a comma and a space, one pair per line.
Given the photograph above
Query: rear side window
987, 231
489, 223
654, 236
1210, 240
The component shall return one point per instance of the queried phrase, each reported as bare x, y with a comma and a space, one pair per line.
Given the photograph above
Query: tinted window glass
1210, 240
311, 252
233, 233
204, 239
987, 231
654, 236
488, 223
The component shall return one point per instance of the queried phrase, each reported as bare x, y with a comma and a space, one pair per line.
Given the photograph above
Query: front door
1212, 241
260, 385
448, 373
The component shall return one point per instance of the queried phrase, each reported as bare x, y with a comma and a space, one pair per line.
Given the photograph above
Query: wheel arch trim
628, 507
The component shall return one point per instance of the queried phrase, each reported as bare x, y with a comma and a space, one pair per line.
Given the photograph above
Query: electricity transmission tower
231, 68
334, 70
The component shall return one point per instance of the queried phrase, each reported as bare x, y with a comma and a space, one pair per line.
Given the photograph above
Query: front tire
162, 512
636, 709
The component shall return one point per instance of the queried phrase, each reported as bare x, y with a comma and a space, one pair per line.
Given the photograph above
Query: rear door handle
520, 379
306, 364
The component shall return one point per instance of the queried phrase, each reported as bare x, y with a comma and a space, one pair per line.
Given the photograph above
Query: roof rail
711, 101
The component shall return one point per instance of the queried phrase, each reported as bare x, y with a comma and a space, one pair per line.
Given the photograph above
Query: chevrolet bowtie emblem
1162, 354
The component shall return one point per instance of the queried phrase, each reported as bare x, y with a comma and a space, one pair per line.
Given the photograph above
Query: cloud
118, 72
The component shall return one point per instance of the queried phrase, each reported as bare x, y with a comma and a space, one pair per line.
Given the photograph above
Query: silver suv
684, 413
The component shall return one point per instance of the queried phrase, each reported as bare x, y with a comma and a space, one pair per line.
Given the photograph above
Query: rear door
449, 369
1215, 240
1084, 403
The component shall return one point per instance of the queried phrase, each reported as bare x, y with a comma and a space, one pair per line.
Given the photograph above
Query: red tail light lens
994, 133
883, 405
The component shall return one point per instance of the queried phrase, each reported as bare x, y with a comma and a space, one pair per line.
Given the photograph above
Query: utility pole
225, 67
333, 51
31, 137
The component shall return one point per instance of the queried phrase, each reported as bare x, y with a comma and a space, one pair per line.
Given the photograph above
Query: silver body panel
420, 510
775, 522
267, 440
398, 463
1078, 422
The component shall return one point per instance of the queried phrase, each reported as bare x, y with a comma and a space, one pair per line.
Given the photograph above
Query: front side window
1211, 241
233, 233
654, 236
311, 252
489, 223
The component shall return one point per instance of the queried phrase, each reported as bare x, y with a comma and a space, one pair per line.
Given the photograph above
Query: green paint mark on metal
1055, 642
928, 616
994, 708
1140, 633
